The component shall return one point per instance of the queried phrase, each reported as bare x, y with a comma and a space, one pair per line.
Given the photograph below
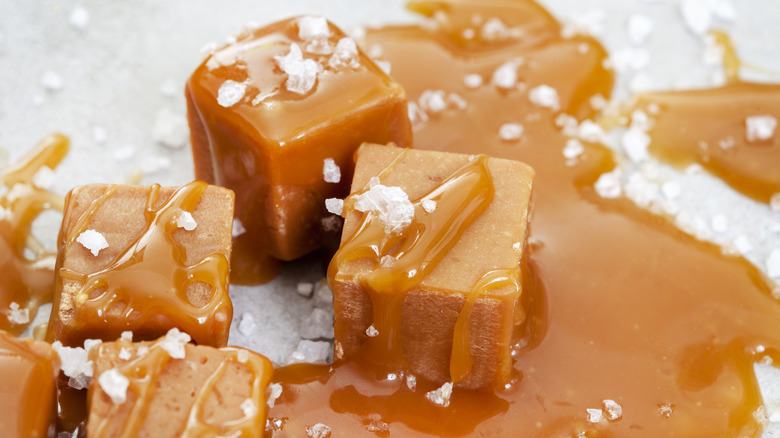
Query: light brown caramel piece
271, 152
210, 392
27, 391
153, 275
446, 308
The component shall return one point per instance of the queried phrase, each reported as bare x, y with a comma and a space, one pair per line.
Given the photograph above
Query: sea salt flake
719, 223
635, 142
433, 101
640, 27
247, 325
79, 18
230, 93
318, 430
671, 189
345, 55
429, 205
411, 382
494, 30
331, 172
417, 116
43, 178
312, 27
323, 296
630, 59
573, 149
760, 128
51, 81
666, 410
311, 352
301, 73
377, 426
594, 415
274, 392
248, 408
124, 354
773, 264
93, 241
590, 131
331, 224
472, 81
612, 410
169, 88
319, 324
185, 220
123, 153
608, 185
18, 315
505, 75
372, 332
385, 66
238, 227
305, 289
114, 384
75, 365
171, 129
391, 206
544, 96
440, 396
334, 205
510, 131
761, 416
174, 342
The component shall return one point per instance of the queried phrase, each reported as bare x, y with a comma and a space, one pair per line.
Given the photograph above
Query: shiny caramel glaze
269, 147
621, 306
148, 363
26, 268
146, 288
27, 391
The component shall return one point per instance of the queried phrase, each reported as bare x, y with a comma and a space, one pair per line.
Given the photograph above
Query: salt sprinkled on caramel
93, 241
391, 205
545, 96
429, 205
174, 342
510, 131
345, 55
301, 73
318, 430
573, 149
411, 382
440, 396
75, 363
612, 410
505, 75
330, 171
334, 205
472, 81
17, 314
314, 29
640, 27
274, 391
666, 410
114, 384
305, 289
594, 415
608, 184
238, 227
247, 325
185, 220
230, 93
248, 407
43, 178
760, 128
372, 332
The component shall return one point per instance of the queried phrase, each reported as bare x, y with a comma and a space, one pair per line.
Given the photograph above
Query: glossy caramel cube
268, 110
27, 387
170, 388
432, 284
143, 259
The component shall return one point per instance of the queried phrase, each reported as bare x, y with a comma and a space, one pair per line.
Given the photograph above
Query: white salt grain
505, 75
372, 332
608, 185
75, 365
230, 93
612, 410
248, 407
719, 223
433, 101
345, 55
331, 172
93, 241
247, 324
440, 396
334, 206
666, 410
238, 227
114, 384
169, 88
301, 73
411, 382
43, 178
51, 81
594, 415
185, 220
635, 142
743, 245
155, 163
323, 296
124, 354
312, 27
429, 205
18, 315
472, 81
510, 132
305, 289
174, 342
760, 128
319, 324
171, 129
318, 430
391, 206
640, 27
79, 18
573, 149
494, 30
590, 131
123, 153
773, 264
274, 392
544, 96
331, 224
671, 189
385, 66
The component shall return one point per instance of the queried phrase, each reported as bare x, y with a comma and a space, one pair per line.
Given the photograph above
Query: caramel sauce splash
26, 268
144, 372
415, 251
622, 306
150, 277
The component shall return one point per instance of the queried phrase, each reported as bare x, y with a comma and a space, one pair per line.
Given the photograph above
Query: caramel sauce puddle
622, 305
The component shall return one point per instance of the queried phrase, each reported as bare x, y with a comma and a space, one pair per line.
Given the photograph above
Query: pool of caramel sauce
622, 305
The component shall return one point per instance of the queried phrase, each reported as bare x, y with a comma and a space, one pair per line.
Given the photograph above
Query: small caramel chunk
27, 386
277, 116
144, 259
169, 388
429, 273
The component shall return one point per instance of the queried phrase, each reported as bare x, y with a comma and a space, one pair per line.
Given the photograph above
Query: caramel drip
26, 280
144, 371
731, 61
139, 281
460, 360
415, 252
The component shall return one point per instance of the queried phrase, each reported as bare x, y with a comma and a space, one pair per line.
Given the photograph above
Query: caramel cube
143, 259
27, 386
270, 111
170, 388
432, 284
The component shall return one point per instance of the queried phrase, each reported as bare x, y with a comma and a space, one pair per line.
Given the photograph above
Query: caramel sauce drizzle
144, 371
416, 251
139, 279
25, 276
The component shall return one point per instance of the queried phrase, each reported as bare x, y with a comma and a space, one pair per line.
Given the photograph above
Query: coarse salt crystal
79, 18
773, 264
51, 81
390, 204
505, 75
429, 205
510, 131
411, 382
640, 27
494, 30
75, 365
248, 407
417, 116
311, 352
93, 241
312, 27
671, 189
666, 409
323, 296
331, 172
274, 392
319, 324
345, 55
155, 163
334, 205
43, 178
719, 223
301, 73
440, 396
230, 93
171, 129
238, 227
185, 220
612, 410
544, 96
124, 354
594, 415
635, 142
247, 324
174, 342
377, 426
242, 356
372, 332
472, 81
18, 315
385, 66
169, 88
433, 101
573, 149
608, 185
114, 384
305, 289
590, 131
318, 430
760, 128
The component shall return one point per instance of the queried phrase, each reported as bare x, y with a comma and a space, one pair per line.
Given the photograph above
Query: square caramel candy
429, 274
277, 115
143, 259
170, 388
27, 386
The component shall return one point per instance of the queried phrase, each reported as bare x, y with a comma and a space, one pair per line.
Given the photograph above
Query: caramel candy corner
268, 113
456, 320
27, 386
170, 388
143, 259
